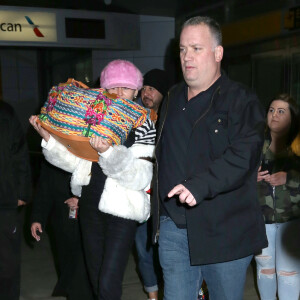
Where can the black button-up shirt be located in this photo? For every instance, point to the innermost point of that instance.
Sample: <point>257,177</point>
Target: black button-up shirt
<point>181,117</point>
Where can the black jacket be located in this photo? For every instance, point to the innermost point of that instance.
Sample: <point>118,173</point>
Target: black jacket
<point>15,181</point>
<point>226,223</point>
<point>52,189</point>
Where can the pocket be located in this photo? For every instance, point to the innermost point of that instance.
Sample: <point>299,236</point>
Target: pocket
<point>218,134</point>
<point>10,224</point>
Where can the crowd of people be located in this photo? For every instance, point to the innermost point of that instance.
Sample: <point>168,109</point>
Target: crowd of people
<point>221,175</point>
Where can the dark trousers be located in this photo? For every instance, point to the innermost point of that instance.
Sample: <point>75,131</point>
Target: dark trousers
<point>73,280</point>
<point>10,241</point>
<point>107,244</point>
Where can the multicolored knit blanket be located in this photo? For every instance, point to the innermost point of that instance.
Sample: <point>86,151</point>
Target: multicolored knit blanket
<point>76,111</point>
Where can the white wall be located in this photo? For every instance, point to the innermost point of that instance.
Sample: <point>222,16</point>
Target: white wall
<point>156,35</point>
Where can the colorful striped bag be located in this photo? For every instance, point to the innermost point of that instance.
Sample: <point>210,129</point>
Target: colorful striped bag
<point>73,113</point>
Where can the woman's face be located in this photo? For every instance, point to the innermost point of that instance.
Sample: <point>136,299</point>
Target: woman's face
<point>279,117</point>
<point>123,92</point>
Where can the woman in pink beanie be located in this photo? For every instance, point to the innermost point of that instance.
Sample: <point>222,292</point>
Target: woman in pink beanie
<point>108,238</point>
<point>123,78</point>
<point>123,171</point>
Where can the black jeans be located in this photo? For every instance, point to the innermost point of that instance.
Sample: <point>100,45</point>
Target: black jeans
<point>10,241</point>
<point>107,242</point>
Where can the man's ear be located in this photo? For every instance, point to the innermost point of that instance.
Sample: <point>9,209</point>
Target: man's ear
<point>219,53</point>
<point>136,92</point>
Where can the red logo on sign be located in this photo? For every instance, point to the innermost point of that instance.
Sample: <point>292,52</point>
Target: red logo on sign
<point>35,27</point>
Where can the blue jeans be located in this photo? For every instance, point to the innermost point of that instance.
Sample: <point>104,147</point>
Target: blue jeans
<point>281,256</point>
<point>147,257</point>
<point>225,281</point>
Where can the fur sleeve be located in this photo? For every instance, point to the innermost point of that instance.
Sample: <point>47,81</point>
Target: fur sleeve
<point>59,156</point>
<point>125,166</point>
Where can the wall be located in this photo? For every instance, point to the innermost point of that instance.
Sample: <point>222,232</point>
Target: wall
<point>24,73</point>
<point>19,72</point>
<point>155,51</point>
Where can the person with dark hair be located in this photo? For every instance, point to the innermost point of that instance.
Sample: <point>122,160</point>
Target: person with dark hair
<point>278,266</point>
<point>15,189</point>
<point>50,207</point>
<point>155,88</point>
<point>121,175</point>
<point>206,214</point>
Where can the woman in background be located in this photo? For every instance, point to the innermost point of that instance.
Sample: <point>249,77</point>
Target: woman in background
<point>278,266</point>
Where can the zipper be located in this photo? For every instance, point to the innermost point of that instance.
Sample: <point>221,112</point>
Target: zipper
<point>156,163</point>
<point>272,187</point>
<point>274,202</point>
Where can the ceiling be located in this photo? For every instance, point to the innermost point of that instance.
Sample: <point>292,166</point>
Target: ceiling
<point>169,8</point>
<point>228,9</point>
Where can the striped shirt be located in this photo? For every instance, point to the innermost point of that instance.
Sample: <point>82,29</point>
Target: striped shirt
<point>146,133</point>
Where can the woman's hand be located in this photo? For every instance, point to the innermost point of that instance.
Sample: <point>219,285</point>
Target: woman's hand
<point>72,202</point>
<point>276,179</point>
<point>21,203</point>
<point>36,227</point>
<point>99,144</point>
<point>37,126</point>
<point>262,175</point>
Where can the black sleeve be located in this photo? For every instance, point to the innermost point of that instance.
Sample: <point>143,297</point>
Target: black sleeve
<point>52,189</point>
<point>43,201</point>
<point>20,160</point>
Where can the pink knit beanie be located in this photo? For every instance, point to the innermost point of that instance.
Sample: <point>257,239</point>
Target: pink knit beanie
<point>121,73</point>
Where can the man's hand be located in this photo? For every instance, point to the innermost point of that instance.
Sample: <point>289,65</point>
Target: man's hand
<point>72,202</point>
<point>277,179</point>
<point>185,196</point>
<point>36,227</point>
<point>99,144</point>
<point>37,126</point>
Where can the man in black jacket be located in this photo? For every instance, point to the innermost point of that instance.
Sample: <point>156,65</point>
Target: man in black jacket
<point>154,89</point>
<point>208,150</point>
<point>14,192</point>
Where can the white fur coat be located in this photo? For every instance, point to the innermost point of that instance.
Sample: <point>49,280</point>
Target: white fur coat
<point>127,177</point>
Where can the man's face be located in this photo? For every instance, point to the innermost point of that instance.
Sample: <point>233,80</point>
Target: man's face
<point>151,97</point>
<point>199,56</point>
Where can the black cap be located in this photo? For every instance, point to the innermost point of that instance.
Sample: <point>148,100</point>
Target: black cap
<point>158,79</point>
